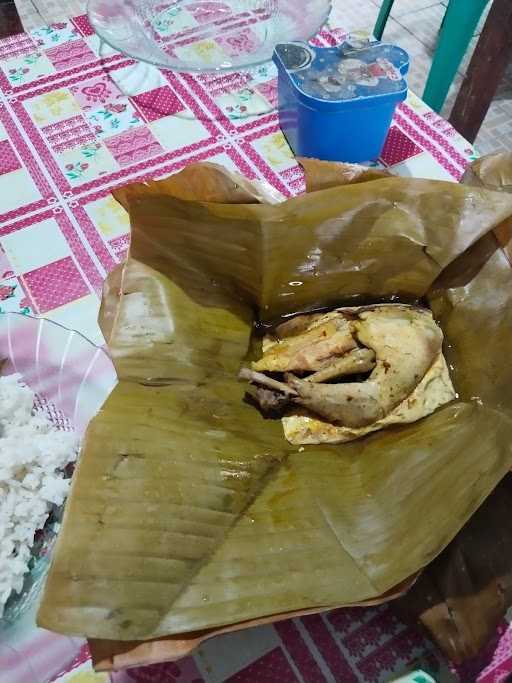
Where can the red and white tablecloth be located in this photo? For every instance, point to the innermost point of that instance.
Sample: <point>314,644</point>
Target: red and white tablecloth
<point>76,120</point>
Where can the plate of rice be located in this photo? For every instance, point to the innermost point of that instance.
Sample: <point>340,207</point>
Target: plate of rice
<point>52,382</point>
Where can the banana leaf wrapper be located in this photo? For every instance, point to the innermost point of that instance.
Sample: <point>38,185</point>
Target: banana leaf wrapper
<point>188,510</point>
<point>115,655</point>
<point>464,594</point>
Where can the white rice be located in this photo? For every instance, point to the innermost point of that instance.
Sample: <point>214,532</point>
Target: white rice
<point>32,453</point>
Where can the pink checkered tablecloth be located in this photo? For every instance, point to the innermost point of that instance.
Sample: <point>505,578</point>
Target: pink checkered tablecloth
<point>76,120</point>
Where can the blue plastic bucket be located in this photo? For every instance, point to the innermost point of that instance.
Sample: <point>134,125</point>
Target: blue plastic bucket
<point>337,103</point>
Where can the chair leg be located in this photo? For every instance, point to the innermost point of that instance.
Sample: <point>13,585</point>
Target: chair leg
<point>492,55</point>
<point>382,19</point>
<point>460,21</point>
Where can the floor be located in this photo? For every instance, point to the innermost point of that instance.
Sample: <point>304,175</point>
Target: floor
<point>414,25</point>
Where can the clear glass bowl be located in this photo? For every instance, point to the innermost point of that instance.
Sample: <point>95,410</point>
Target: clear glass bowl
<point>204,35</point>
<point>71,378</point>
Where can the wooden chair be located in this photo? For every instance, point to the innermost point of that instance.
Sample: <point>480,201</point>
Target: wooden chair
<point>9,19</point>
<point>490,59</point>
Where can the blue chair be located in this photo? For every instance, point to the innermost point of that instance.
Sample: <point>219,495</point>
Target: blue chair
<point>458,28</point>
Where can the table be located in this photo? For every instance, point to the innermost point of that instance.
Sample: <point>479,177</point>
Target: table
<point>73,125</point>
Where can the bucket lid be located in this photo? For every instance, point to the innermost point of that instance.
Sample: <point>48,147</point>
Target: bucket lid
<point>346,74</point>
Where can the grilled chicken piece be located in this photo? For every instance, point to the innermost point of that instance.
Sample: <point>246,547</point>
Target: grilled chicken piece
<point>406,342</point>
<point>353,362</point>
<point>435,389</point>
<point>354,404</point>
<point>265,381</point>
<point>298,325</point>
<point>330,335</point>
<point>271,403</point>
<point>272,396</point>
